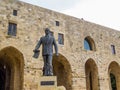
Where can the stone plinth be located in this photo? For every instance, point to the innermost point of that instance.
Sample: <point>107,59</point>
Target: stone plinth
<point>47,83</point>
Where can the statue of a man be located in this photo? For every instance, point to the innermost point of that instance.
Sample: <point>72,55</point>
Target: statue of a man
<point>47,42</point>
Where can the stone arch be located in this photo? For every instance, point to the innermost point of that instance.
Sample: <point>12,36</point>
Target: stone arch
<point>114,69</point>
<point>62,69</point>
<point>90,42</point>
<point>12,67</point>
<point>91,71</point>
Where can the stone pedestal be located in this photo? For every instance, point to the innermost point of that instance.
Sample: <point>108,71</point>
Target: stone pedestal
<point>48,83</point>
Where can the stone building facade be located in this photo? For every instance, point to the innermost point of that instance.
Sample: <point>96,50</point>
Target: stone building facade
<point>89,54</point>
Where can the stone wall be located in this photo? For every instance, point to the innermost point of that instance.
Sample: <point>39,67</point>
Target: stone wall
<point>31,22</point>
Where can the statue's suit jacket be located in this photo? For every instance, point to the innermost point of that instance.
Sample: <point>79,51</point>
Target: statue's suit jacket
<point>47,45</point>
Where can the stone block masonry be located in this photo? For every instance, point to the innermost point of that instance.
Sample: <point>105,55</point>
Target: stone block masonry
<point>76,68</point>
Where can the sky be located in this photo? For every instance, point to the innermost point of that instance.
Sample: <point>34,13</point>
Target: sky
<point>103,12</point>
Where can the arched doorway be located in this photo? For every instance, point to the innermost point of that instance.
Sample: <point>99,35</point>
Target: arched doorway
<point>11,69</point>
<point>62,69</point>
<point>114,75</point>
<point>91,72</point>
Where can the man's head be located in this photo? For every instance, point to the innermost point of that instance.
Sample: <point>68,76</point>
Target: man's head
<point>47,31</point>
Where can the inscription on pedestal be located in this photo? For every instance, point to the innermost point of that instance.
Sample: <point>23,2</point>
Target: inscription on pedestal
<point>47,83</point>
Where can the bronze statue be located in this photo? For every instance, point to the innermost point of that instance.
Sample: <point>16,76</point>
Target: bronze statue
<point>47,42</point>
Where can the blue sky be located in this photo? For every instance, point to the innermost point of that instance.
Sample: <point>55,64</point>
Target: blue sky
<point>103,12</point>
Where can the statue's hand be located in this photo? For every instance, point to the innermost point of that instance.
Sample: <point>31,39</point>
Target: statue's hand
<point>36,53</point>
<point>36,50</point>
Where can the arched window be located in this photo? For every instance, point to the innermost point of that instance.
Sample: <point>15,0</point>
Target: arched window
<point>89,44</point>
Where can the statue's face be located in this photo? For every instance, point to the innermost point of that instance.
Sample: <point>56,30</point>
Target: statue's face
<point>47,31</point>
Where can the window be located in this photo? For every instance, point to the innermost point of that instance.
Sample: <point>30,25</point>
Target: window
<point>60,38</point>
<point>113,49</point>
<point>15,12</point>
<point>57,23</point>
<point>12,29</point>
<point>87,45</point>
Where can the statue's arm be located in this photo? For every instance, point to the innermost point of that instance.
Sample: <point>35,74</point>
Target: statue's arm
<point>55,46</point>
<point>38,44</point>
